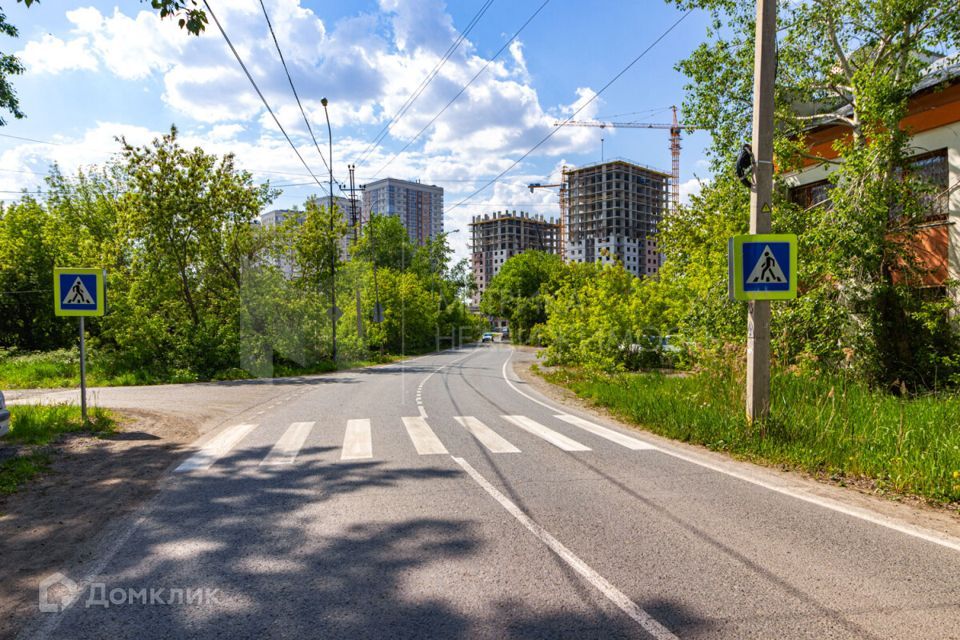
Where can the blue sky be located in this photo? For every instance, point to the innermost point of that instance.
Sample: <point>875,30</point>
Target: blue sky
<point>96,70</point>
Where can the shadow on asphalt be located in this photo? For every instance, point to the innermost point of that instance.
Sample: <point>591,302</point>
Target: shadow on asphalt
<point>283,568</point>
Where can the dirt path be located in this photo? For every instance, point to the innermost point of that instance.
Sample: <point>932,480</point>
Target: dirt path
<point>56,522</point>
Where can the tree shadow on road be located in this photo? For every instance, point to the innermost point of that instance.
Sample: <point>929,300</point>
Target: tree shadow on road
<point>290,555</point>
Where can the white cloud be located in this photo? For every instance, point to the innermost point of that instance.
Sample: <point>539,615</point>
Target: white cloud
<point>367,65</point>
<point>690,188</point>
<point>50,54</point>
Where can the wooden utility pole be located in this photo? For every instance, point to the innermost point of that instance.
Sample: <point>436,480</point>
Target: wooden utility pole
<point>758,314</point>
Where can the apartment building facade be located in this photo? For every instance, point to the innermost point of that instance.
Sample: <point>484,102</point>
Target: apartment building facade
<point>496,237</point>
<point>276,217</point>
<point>419,206</point>
<point>614,210</point>
<point>933,123</point>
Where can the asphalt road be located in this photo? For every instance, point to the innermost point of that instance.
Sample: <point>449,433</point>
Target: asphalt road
<point>444,498</point>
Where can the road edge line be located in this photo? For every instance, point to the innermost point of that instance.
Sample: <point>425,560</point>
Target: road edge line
<point>826,503</point>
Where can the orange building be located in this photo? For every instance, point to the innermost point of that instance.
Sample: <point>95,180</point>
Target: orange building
<point>933,122</point>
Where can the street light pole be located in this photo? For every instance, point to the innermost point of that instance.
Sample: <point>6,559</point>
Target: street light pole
<point>758,314</point>
<point>356,238</point>
<point>333,254</point>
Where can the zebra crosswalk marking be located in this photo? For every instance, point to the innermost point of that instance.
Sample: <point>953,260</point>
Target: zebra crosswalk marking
<point>551,436</point>
<point>487,436</point>
<point>289,444</point>
<point>424,439</point>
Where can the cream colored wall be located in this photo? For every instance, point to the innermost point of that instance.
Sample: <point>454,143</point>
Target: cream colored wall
<point>949,137</point>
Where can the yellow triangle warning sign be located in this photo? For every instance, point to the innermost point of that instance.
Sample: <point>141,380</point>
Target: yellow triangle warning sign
<point>78,294</point>
<point>767,269</point>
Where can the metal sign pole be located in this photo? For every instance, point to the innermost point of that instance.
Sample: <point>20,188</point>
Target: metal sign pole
<point>83,373</point>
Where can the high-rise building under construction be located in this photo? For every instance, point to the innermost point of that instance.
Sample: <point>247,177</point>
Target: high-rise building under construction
<point>613,211</point>
<point>496,237</point>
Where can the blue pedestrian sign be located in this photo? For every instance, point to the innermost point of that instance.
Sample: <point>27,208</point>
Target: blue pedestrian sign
<point>79,292</point>
<point>763,267</point>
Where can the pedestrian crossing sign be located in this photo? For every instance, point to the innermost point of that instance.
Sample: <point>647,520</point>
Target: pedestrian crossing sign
<point>763,267</point>
<point>79,292</point>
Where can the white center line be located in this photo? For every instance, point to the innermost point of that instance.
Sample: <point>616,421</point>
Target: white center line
<point>487,436</point>
<point>357,443</point>
<point>289,444</point>
<point>551,436</point>
<point>613,594</point>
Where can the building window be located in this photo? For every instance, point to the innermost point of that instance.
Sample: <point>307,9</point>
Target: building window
<point>933,171</point>
<point>812,194</point>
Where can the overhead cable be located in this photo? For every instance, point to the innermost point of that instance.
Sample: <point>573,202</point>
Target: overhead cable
<point>260,93</point>
<point>423,84</point>
<point>464,88</point>
<point>596,95</point>
<point>293,88</point>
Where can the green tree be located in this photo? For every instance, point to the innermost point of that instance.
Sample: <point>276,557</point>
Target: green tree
<point>518,291</point>
<point>187,226</point>
<point>855,63</point>
<point>10,65</point>
<point>386,243</point>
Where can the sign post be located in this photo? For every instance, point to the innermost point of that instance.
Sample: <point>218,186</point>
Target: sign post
<point>80,293</point>
<point>758,313</point>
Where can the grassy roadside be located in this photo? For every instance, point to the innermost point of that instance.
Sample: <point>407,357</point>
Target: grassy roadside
<point>33,429</point>
<point>828,427</point>
<point>61,369</point>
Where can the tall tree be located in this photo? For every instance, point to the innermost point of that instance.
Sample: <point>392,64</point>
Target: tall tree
<point>855,64</point>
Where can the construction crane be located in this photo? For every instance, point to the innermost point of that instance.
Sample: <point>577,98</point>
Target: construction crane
<point>562,185</point>
<point>674,129</point>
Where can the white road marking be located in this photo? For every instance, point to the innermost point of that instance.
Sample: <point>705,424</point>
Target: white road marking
<point>609,434</point>
<point>423,437</point>
<point>420,408</point>
<point>289,444</point>
<point>357,443</point>
<point>921,533</point>
<point>617,597</point>
<point>487,436</point>
<point>216,448</point>
<point>551,436</point>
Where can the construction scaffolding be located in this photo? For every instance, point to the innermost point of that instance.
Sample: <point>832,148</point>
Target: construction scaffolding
<point>496,237</point>
<point>613,211</point>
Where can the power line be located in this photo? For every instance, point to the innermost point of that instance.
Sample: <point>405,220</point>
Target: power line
<point>424,83</point>
<point>7,135</point>
<point>260,93</point>
<point>465,87</point>
<point>554,130</point>
<point>293,88</point>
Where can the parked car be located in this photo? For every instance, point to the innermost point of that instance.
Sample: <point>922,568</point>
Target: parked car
<point>487,337</point>
<point>4,416</point>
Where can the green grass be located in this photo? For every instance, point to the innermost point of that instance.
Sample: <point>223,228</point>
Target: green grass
<point>17,471</point>
<point>827,426</point>
<point>43,424</point>
<point>61,369</point>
